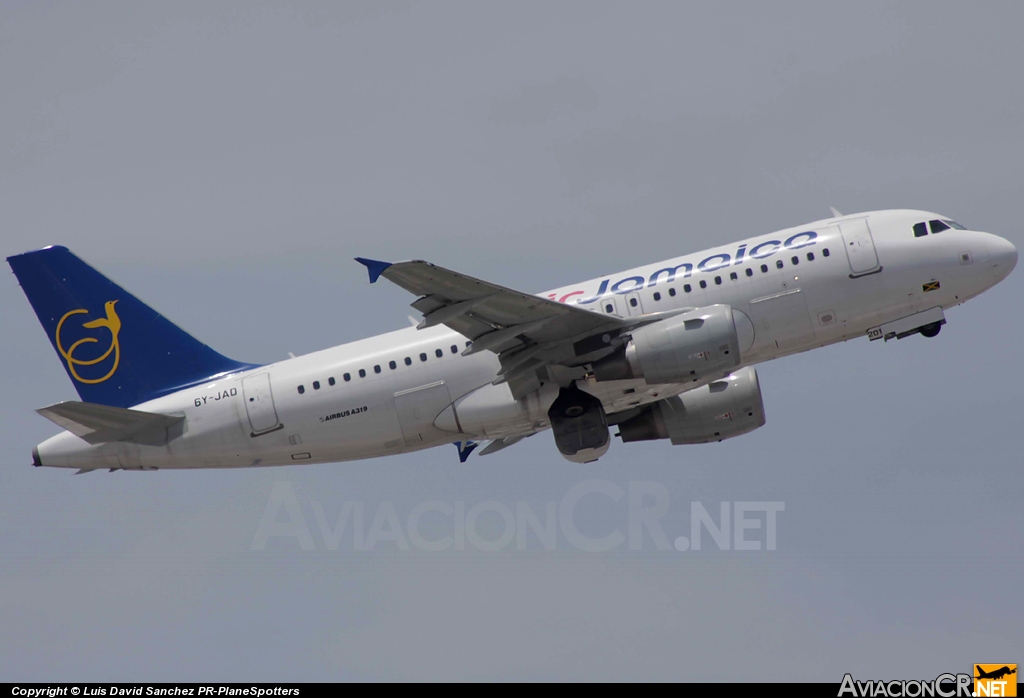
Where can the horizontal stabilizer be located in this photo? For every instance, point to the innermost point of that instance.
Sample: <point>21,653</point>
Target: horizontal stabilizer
<point>101,423</point>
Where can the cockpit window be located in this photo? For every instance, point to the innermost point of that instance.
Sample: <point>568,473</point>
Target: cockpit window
<point>954,225</point>
<point>938,226</point>
<point>920,230</point>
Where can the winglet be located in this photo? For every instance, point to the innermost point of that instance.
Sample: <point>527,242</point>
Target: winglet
<point>375,267</point>
<point>465,448</point>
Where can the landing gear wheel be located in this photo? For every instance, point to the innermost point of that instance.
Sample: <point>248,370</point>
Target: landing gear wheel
<point>931,330</point>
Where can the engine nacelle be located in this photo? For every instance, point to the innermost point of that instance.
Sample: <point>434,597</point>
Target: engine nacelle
<point>720,410</point>
<point>703,343</point>
<point>580,425</point>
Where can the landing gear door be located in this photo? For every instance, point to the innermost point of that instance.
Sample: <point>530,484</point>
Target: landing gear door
<point>860,248</point>
<point>259,404</point>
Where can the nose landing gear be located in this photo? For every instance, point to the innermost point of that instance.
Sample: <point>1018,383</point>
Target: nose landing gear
<point>927,322</point>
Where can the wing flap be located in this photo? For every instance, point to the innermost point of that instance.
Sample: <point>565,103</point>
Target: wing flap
<point>97,424</point>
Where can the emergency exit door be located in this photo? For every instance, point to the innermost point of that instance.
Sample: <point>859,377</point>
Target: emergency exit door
<point>634,305</point>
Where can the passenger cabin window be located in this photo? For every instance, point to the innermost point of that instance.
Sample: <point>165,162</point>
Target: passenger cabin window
<point>703,283</point>
<point>750,272</point>
<point>657,296</point>
<point>408,361</point>
<point>423,357</point>
<point>779,264</point>
<point>316,385</point>
<point>938,226</point>
<point>608,308</point>
<point>810,256</point>
<point>718,280</point>
<point>376,369</point>
<point>362,373</point>
<point>672,291</point>
<point>632,302</point>
<point>455,349</point>
<point>824,252</point>
<point>302,389</point>
<point>330,381</point>
<point>438,353</point>
<point>920,230</point>
<point>392,365</point>
<point>795,260</point>
<point>347,377</point>
<point>733,276</point>
<point>686,287</point>
<point>764,268</point>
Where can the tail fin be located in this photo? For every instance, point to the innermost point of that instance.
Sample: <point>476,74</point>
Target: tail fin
<point>117,350</point>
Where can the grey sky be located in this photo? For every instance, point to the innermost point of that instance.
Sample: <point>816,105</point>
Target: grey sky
<point>226,161</point>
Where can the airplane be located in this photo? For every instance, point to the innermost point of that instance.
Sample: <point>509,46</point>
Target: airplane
<point>995,673</point>
<point>664,351</point>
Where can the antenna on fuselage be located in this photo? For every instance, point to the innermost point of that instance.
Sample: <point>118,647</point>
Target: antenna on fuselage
<point>835,213</point>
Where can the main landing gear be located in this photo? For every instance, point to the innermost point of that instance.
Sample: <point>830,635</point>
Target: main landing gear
<point>931,330</point>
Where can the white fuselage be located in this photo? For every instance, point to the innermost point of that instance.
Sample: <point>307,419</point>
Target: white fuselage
<point>832,282</point>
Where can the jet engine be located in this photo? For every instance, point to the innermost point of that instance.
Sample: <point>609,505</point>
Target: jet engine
<point>703,343</point>
<point>728,407</point>
<point>579,424</point>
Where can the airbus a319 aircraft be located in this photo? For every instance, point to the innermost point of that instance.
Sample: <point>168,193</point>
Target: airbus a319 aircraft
<point>664,351</point>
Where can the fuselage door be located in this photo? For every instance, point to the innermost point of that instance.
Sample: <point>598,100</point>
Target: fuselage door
<point>259,404</point>
<point>860,248</point>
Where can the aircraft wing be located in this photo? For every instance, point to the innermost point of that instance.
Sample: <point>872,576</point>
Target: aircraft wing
<point>526,331</point>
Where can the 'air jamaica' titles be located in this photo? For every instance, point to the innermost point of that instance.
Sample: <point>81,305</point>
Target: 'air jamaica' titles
<point>685,270</point>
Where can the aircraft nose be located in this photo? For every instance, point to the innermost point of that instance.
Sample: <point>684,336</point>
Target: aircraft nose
<point>1002,256</point>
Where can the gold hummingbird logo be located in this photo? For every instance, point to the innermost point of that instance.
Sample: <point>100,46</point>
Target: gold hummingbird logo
<point>112,323</point>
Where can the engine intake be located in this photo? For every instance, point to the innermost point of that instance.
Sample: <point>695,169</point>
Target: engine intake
<point>720,410</point>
